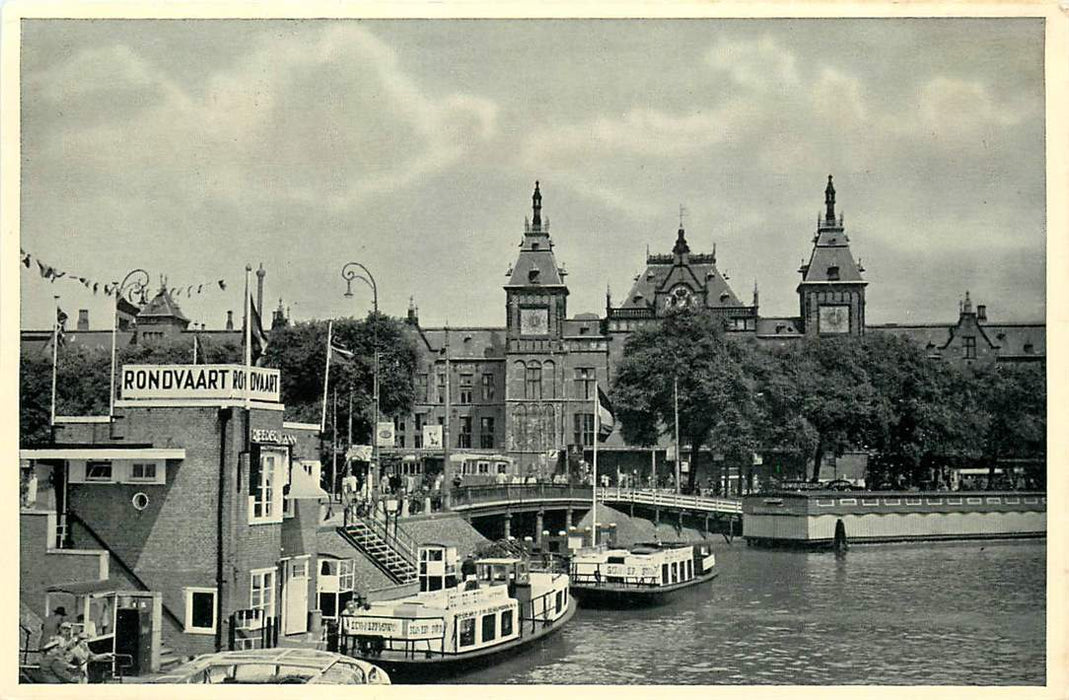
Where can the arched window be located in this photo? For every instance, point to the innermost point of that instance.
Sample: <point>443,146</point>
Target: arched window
<point>518,429</point>
<point>549,427</point>
<point>533,389</point>
<point>516,380</point>
<point>549,377</point>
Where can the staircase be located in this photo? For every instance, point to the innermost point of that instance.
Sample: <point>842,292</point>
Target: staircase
<point>392,551</point>
<point>168,659</point>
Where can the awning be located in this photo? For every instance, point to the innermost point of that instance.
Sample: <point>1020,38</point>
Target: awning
<point>303,488</point>
<point>84,587</point>
<point>104,452</point>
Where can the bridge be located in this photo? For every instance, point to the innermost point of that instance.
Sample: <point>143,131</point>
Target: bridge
<point>506,501</point>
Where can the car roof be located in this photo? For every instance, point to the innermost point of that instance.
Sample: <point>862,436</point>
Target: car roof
<point>287,656</point>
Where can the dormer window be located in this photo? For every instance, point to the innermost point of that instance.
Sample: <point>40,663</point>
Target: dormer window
<point>583,330</point>
<point>534,245</point>
<point>532,275</point>
<point>833,273</point>
<point>724,296</point>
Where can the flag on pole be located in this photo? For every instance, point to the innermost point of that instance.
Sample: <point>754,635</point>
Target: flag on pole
<point>606,419</point>
<point>339,350</point>
<point>257,335</point>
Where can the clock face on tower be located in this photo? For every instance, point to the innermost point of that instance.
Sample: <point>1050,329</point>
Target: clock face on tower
<point>680,297</point>
<point>834,319</point>
<point>534,321</point>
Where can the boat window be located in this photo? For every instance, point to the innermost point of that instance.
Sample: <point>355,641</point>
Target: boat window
<point>254,673</point>
<point>560,601</point>
<point>664,573</point>
<point>675,572</point>
<point>690,568</point>
<point>489,627</point>
<point>467,632</point>
<point>506,623</point>
<point>328,567</point>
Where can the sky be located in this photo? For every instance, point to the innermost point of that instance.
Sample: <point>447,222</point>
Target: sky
<point>191,148</point>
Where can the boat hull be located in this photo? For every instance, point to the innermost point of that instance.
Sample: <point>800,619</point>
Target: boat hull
<point>616,596</point>
<point>433,669</point>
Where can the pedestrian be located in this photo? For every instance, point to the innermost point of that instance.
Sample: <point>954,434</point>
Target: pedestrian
<point>80,655</point>
<point>53,623</point>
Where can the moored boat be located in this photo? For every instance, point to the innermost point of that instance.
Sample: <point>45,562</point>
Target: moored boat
<point>457,622</point>
<point>646,574</point>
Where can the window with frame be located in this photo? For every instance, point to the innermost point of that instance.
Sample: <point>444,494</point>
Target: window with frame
<point>262,594</point>
<point>488,386</point>
<point>533,383</point>
<point>143,471</point>
<point>560,601</point>
<point>486,432</point>
<point>346,575</point>
<point>584,383</point>
<point>464,437</point>
<point>489,624</point>
<point>583,429</point>
<point>399,432</point>
<point>200,610</point>
<point>265,487</point>
<point>467,382</point>
<point>467,632</point>
<point>970,347</point>
<point>421,387</point>
<point>98,471</point>
<point>441,387</point>
<point>506,623</point>
<point>417,434</point>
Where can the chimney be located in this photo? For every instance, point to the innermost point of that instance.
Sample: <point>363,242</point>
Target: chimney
<point>260,290</point>
<point>230,320</point>
<point>83,319</point>
<point>981,313</point>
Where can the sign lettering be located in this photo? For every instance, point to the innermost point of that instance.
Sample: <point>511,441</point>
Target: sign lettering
<point>199,382</point>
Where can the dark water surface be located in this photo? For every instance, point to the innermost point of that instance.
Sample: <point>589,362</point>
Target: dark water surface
<point>946,613</point>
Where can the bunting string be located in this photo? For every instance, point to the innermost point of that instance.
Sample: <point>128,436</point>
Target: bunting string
<point>51,273</point>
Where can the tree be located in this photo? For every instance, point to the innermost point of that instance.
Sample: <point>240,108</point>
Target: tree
<point>1015,399</point>
<point>716,397</point>
<point>299,352</point>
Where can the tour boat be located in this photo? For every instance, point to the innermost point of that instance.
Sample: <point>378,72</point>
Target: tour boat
<point>455,623</point>
<point>646,574</point>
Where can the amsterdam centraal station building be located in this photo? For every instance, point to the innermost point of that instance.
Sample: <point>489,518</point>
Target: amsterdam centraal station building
<point>520,396</point>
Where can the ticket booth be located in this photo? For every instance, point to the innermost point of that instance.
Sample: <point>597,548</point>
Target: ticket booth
<point>124,623</point>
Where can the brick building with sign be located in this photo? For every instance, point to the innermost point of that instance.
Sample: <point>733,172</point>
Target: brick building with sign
<point>195,489</point>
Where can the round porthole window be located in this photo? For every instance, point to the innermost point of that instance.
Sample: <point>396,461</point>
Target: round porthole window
<point>140,500</point>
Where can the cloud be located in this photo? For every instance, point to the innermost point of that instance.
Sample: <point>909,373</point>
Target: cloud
<point>760,65</point>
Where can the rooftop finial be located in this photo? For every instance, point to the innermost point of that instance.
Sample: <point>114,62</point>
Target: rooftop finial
<point>829,201</point>
<point>681,246</point>
<point>967,308</point>
<point>536,202</point>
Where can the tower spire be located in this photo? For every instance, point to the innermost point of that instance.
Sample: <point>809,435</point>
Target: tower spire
<point>536,205</point>
<point>829,201</point>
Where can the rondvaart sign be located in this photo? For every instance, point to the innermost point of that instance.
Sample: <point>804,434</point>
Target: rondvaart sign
<point>199,382</point>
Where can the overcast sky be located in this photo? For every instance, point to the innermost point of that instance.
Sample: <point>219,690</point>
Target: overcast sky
<point>190,148</point>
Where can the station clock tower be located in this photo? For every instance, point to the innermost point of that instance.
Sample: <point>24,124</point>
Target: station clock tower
<point>831,295</point>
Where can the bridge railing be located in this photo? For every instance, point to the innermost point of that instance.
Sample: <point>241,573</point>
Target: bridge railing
<point>474,496</point>
<point>468,496</point>
<point>670,500</point>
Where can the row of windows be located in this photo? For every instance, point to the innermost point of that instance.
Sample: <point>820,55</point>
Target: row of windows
<point>488,625</point>
<point>464,436</point>
<point>201,607</point>
<point>487,388</point>
<point>538,378</point>
<point>678,571</point>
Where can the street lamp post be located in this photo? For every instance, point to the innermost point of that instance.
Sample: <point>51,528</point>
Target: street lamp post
<point>138,279</point>
<point>352,271</point>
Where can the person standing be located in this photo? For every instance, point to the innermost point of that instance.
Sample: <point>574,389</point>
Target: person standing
<point>52,624</point>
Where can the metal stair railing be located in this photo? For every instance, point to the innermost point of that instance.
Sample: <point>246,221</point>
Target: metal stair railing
<point>386,550</point>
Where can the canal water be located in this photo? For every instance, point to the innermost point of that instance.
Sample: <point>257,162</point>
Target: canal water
<point>944,613</point>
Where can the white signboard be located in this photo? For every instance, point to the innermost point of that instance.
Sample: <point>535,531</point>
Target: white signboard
<point>199,382</point>
<point>684,467</point>
<point>385,434</point>
<point>432,437</point>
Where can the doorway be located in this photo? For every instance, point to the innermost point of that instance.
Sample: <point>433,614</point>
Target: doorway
<point>295,595</point>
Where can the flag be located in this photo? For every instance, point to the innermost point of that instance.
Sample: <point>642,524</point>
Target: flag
<point>606,419</point>
<point>61,321</point>
<point>26,260</point>
<point>222,285</point>
<point>348,354</point>
<point>259,338</point>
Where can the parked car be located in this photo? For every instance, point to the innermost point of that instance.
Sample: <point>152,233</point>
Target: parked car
<point>277,666</point>
<point>839,485</point>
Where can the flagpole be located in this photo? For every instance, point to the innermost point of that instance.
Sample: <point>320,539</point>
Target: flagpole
<point>55,358</point>
<point>248,336</point>
<point>594,493</point>
<point>326,378</point>
<point>675,390</point>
